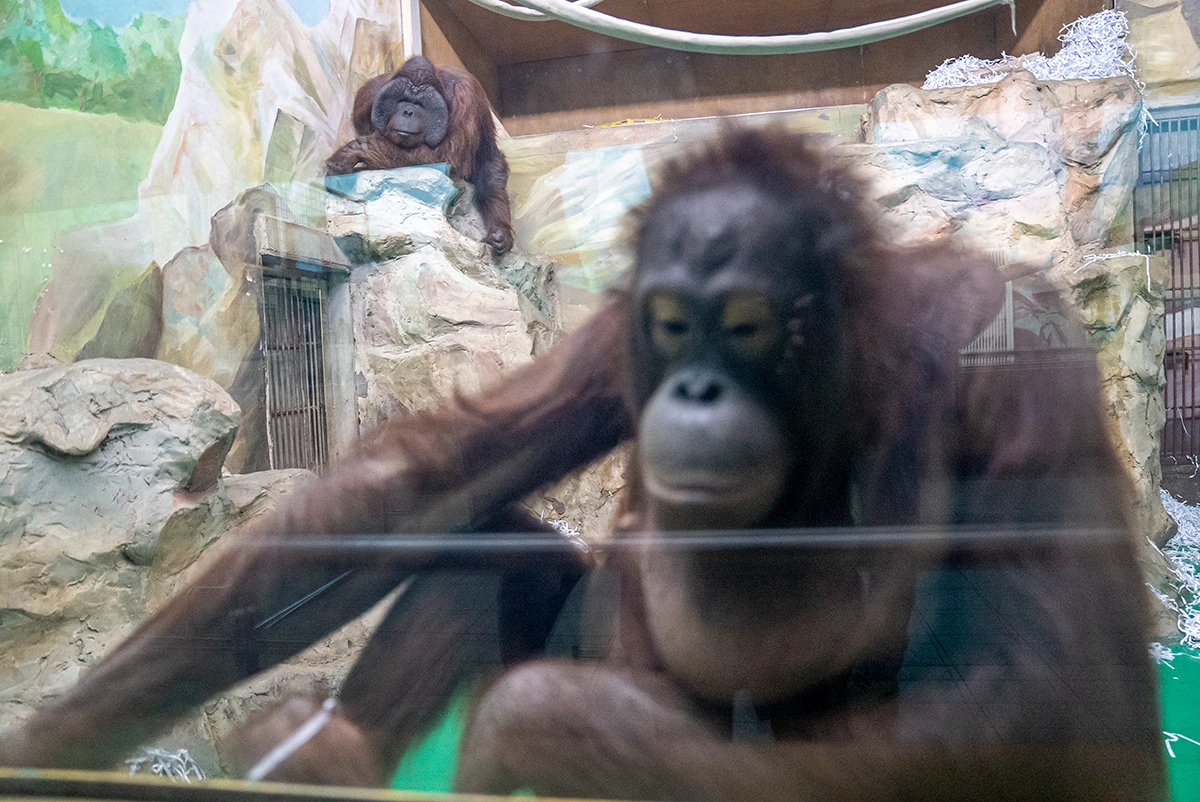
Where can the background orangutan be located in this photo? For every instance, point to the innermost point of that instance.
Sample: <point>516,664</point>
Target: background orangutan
<point>783,369</point>
<point>422,114</point>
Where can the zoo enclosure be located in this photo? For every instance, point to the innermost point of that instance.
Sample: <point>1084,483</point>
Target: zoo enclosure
<point>1165,205</point>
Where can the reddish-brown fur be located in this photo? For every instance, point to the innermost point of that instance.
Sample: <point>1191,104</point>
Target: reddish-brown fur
<point>455,469</point>
<point>628,730</point>
<point>1070,715</point>
<point>469,146</point>
<point>357,756</point>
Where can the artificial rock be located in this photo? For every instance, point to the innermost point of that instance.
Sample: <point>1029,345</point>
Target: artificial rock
<point>1041,175</point>
<point>100,462</point>
<point>433,311</point>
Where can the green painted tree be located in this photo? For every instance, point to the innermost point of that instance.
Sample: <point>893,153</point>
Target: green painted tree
<point>50,62</point>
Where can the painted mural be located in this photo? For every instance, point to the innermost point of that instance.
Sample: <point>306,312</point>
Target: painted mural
<point>82,104</point>
<point>126,124</point>
<point>1166,36</point>
<point>47,60</point>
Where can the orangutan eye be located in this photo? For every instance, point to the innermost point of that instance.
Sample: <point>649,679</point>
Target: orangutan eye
<point>748,324</point>
<point>669,326</point>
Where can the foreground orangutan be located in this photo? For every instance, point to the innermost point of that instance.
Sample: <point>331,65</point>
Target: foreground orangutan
<point>937,597</point>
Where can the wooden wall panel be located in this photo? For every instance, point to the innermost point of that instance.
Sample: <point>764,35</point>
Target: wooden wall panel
<point>544,77</point>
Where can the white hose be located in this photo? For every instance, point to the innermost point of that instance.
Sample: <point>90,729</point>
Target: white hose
<point>579,15</point>
<point>290,745</point>
<point>528,14</point>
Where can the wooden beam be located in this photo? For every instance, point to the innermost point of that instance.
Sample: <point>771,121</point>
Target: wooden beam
<point>410,27</point>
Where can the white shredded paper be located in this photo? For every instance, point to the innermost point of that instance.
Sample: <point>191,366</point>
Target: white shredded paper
<point>564,528</point>
<point>1162,655</point>
<point>1184,551</point>
<point>1092,47</point>
<point>1104,257</point>
<point>1174,738</point>
<point>177,765</point>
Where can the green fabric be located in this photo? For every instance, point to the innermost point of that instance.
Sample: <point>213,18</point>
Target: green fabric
<point>1181,716</point>
<point>431,763</point>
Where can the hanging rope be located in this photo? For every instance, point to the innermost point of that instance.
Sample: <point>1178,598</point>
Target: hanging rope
<point>581,16</point>
<point>527,14</point>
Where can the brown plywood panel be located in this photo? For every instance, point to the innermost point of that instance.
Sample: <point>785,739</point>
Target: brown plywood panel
<point>1038,24</point>
<point>448,43</point>
<point>652,81</point>
<point>596,79</point>
<point>511,41</point>
<point>765,17</point>
<point>508,41</point>
<point>567,121</point>
<point>908,58</point>
<point>649,74</point>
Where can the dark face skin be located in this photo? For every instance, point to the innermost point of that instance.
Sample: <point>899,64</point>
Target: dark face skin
<point>736,353</point>
<point>410,113</point>
<point>407,124</point>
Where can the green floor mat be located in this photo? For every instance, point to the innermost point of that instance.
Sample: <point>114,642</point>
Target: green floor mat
<point>430,764</point>
<point>1181,722</point>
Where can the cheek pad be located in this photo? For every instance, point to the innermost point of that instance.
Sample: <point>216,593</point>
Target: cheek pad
<point>437,115</point>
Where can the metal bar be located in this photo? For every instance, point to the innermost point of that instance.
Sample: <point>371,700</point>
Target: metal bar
<point>306,355</point>
<point>276,374</point>
<point>276,617</point>
<point>1168,155</point>
<point>264,354</point>
<point>1178,268</point>
<point>1180,279</point>
<point>285,337</point>
<point>1156,177</point>
<point>1168,228</point>
<point>310,440</point>
<point>319,397</point>
<point>310,372</point>
<point>1179,262</point>
<point>1175,158</point>
<point>1009,334</point>
<point>279,369</point>
<point>470,547</point>
<point>1147,174</point>
<point>297,331</point>
<point>280,378</point>
<point>1189,178</point>
<point>1148,222</point>
<point>318,384</point>
<point>1192,178</point>
<point>265,332</point>
<point>297,373</point>
<point>61,784</point>
<point>271,334</point>
<point>313,380</point>
<point>324,416</point>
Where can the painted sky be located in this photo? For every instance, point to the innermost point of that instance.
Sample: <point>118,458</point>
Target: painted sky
<point>118,13</point>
